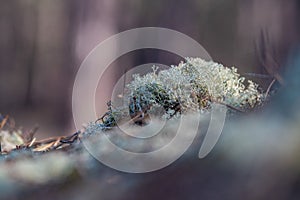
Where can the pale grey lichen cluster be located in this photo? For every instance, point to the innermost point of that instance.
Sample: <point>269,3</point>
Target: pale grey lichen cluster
<point>193,85</point>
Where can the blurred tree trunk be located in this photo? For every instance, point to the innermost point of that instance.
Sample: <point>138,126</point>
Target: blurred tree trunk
<point>96,22</point>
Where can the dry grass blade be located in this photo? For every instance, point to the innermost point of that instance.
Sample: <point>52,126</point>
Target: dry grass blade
<point>29,136</point>
<point>44,147</point>
<point>3,121</point>
<point>12,138</point>
<point>267,54</point>
<point>53,143</point>
<point>270,86</point>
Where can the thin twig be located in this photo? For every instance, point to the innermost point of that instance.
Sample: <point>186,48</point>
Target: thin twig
<point>229,106</point>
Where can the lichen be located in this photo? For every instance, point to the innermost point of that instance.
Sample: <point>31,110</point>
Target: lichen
<point>193,85</point>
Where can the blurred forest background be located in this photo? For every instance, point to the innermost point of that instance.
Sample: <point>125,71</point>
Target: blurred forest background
<point>43,42</point>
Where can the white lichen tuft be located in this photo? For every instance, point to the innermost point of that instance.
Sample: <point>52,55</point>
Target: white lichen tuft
<point>193,85</point>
